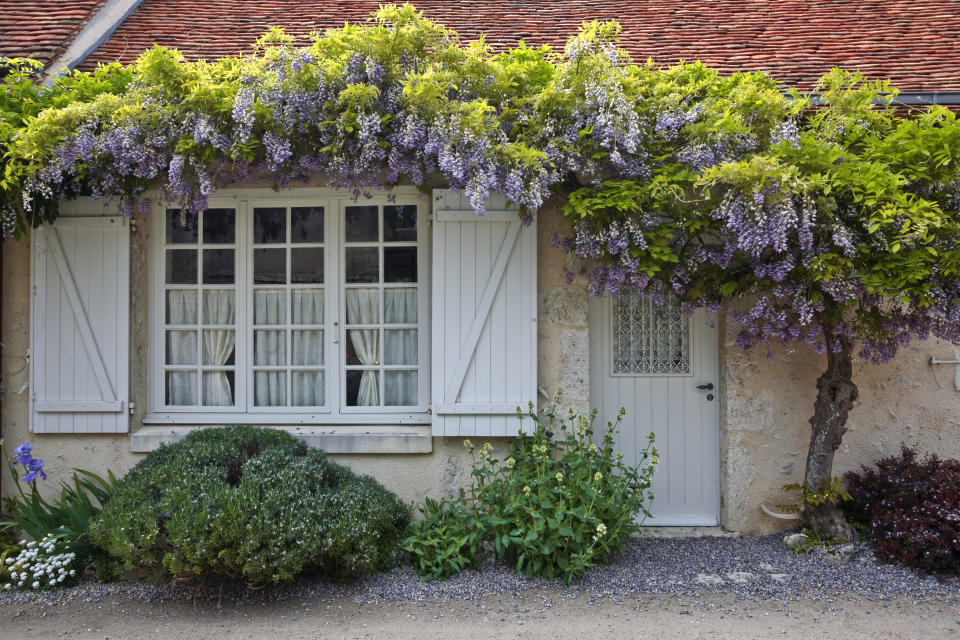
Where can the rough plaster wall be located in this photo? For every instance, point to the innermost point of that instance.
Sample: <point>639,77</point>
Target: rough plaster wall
<point>563,337</point>
<point>563,363</point>
<point>769,402</point>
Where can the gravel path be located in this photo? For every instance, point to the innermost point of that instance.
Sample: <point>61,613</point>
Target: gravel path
<point>739,567</point>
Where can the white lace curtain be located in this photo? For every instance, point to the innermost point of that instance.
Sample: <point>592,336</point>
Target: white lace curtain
<point>270,348</point>
<point>399,348</point>
<point>217,347</point>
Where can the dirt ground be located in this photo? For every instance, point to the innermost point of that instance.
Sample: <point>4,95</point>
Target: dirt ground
<point>533,614</point>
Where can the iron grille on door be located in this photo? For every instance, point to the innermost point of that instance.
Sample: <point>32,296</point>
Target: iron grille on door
<point>649,338</point>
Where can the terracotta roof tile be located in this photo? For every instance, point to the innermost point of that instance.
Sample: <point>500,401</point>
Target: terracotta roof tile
<point>42,29</point>
<point>912,42</point>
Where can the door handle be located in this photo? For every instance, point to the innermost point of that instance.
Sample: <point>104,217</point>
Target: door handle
<point>705,387</point>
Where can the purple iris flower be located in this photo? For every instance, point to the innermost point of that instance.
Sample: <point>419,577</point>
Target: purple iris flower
<point>34,468</point>
<point>22,455</point>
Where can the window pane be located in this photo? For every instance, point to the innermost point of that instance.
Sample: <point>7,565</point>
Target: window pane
<point>400,223</point>
<point>181,227</point>
<point>308,389</point>
<point>217,388</point>
<point>363,264</point>
<point>400,388</point>
<point>400,306</point>
<point>363,389</point>
<point>218,347</point>
<point>307,347</point>
<point>270,347</point>
<point>269,225</point>
<point>218,307</point>
<point>181,306</point>
<point>363,306</point>
<point>306,265</point>
<point>219,226</point>
<point>270,388</point>
<point>306,224</point>
<point>363,347</point>
<point>400,346</point>
<point>181,388</point>
<point>269,306</point>
<point>218,266</point>
<point>269,266</point>
<point>308,306</point>
<point>361,224</point>
<point>400,264</point>
<point>182,347</point>
<point>181,266</point>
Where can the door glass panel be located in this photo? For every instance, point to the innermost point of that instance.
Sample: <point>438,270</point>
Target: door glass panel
<point>400,306</point>
<point>218,266</point>
<point>269,306</point>
<point>649,338</point>
<point>269,266</point>
<point>218,347</point>
<point>270,388</point>
<point>400,264</point>
<point>400,346</point>
<point>270,347</point>
<point>182,347</point>
<point>307,389</point>
<point>400,223</point>
<point>399,388</point>
<point>363,264</point>
<point>181,227</point>
<point>219,226</point>
<point>307,347</point>
<point>181,306</point>
<point>181,266</point>
<point>217,388</point>
<point>363,388</point>
<point>306,224</point>
<point>306,265</point>
<point>308,306</point>
<point>269,225</point>
<point>181,388</point>
<point>361,224</point>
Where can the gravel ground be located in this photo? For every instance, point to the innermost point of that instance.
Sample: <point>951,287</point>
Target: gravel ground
<point>744,568</point>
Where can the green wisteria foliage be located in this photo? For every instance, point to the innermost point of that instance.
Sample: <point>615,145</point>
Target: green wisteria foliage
<point>826,223</point>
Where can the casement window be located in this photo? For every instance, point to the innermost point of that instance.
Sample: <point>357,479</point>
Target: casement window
<point>291,310</point>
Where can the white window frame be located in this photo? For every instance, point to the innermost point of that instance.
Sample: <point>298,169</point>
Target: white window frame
<point>244,200</point>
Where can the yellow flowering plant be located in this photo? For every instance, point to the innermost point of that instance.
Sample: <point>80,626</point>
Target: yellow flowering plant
<point>561,501</point>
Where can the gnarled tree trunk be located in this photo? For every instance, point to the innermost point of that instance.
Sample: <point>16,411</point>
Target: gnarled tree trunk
<point>836,394</point>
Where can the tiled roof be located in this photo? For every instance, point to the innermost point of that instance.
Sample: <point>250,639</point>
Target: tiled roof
<point>916,43</point>
<point>42,29</point>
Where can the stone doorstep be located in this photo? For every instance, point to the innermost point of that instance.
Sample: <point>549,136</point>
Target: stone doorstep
<point>685,532</point>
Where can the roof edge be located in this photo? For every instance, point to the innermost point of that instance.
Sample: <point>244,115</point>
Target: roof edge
<point>98,30</point>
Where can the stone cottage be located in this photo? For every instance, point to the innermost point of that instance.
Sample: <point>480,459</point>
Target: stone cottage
<point>386,330</point>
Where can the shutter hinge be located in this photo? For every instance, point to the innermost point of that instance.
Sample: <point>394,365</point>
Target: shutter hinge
<point>132,406</point>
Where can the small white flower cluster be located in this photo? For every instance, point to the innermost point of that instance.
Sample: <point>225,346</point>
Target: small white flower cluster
<point>40,565</point>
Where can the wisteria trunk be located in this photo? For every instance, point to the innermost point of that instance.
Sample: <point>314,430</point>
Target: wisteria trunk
<point>836,394</point>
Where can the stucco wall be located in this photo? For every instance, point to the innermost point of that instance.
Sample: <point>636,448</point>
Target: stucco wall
<point>768,402</point>
<point>764,403</point>
<point>562,352</point>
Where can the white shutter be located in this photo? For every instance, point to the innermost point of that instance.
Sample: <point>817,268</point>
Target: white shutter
<point>80,326</point>
<point>484,320</point>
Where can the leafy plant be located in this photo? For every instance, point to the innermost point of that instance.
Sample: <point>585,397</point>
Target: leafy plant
<point>831,492</point>
<point>558,504</point>
<point>65,520</point>
<point>910,507</point>
<point>256,504</point>
<point>447,540</point>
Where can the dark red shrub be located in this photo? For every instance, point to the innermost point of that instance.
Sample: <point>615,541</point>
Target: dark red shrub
<point>911,507</point>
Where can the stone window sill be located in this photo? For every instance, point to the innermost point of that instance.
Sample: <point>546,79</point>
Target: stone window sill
<point>364,439</point>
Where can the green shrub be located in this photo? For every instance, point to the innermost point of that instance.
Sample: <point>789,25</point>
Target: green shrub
<point>562,501</point>
<point>62,525</point>
<point>248,503</point>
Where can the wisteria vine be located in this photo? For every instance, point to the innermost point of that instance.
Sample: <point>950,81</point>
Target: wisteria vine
<point>810,225</point>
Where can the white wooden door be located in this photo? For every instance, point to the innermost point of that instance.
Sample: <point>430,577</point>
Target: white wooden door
<point>661,366</point>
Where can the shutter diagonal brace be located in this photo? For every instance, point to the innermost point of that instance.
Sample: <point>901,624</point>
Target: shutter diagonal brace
<point>80,314</point>
<point>483,310</point>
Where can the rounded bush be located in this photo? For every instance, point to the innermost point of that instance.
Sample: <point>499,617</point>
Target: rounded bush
<point>911,508</point>
<point>249,503</point>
